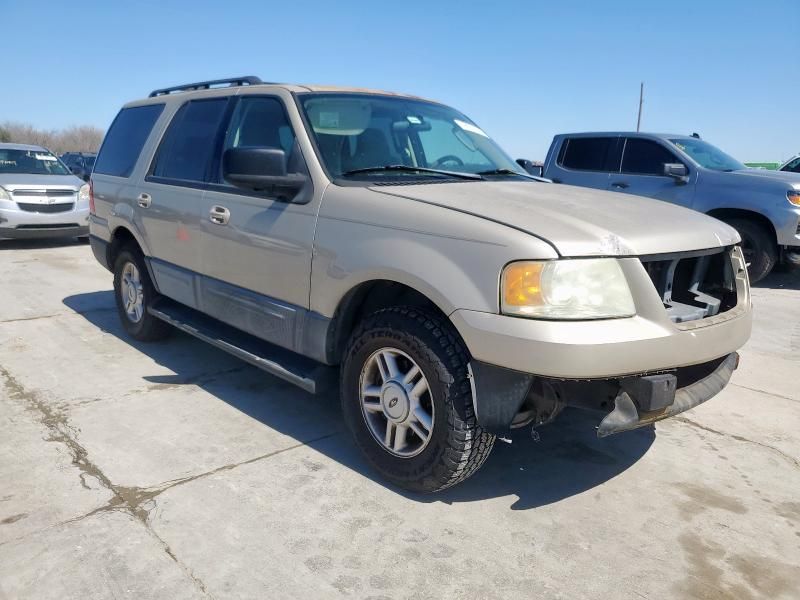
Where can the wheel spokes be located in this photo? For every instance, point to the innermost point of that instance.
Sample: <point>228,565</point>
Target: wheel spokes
<point>371,391</point>
<point>400,437</point>
<point>412,373</point>
<point>419,388</point>
<point>387,440</point>
<point>394,402</point>
<point>390,369</point>
<point>424,419</point>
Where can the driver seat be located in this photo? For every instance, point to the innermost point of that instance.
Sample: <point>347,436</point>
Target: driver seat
<point>372,150</point>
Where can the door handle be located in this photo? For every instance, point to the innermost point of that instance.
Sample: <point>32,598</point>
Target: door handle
<point>220,215</point>
<point>144,200</point>
<point>620,185</point>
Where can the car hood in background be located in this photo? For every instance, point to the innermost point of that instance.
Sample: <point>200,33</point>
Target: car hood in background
<point>13,181</point>
<point>579,221</point>
<point>786,176</point>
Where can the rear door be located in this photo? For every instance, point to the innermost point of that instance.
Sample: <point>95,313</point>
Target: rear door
<point>170,202</point>
<point>642,173</point>
<point>585,161</point>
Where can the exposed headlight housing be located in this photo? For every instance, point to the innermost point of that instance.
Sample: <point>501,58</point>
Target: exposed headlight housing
<point>569,289</point>
<point>4,195</point>
<point>83,193</point>
<point>794,197</point>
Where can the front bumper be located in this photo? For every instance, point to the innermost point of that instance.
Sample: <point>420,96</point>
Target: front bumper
<point>21,224</point>
<point>646,342</point>
<point>598,349</point>
<point>643,367</point>
<point>505,399</point>
<point>631,412</point>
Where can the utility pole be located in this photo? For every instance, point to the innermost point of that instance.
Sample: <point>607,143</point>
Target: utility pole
<point>641,98</point>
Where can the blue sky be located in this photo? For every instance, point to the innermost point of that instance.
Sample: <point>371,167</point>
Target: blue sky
<point>522,70</point>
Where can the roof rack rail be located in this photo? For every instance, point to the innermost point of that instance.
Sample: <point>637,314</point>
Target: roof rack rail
<point>205,85</point>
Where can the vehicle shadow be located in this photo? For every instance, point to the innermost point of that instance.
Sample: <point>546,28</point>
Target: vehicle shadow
<point>36,244</point>
<point>784,279</point>
<point>569,458</point>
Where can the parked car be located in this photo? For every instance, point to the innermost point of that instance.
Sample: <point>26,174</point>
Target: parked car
<point>79,163</point>
<point>39,197</point>
<point>318,231</point>
<point>763,206</point>
<point>531,167</point>
<point>792,165</point>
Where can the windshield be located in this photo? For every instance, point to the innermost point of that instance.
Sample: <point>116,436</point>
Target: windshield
<point>706,155</point>
<point>793,166</point>
<point>34,162</point>
<point>89,161</point>
<point>359,134</point>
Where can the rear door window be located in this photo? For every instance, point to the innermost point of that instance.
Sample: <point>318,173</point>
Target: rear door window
<point>586,153</point>
<point>188,146</point>
<point>645,157</point>
<point>125,139</point>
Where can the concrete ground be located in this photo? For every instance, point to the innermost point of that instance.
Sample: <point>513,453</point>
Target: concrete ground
<point>172,470</point>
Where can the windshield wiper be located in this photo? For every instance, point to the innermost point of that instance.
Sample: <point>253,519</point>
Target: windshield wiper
<point>516,173</point>
<point>410,169</point>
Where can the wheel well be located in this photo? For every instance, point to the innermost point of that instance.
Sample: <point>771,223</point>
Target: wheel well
<point>725,214</point>
<point>119,239</point>
<point>366,299</point>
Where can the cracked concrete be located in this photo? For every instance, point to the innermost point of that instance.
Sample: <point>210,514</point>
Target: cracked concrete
<point>172,470</point>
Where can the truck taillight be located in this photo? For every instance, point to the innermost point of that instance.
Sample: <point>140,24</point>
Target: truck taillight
<point>91,198</point>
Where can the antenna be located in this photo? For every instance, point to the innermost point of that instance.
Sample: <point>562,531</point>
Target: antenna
<point>641,99</point>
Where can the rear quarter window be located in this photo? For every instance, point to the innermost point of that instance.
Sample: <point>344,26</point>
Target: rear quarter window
<point>125,139</point>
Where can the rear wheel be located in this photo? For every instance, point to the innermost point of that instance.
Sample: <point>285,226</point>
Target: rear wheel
<point>407,400</point>
<point>759,250</point>
<point>134,293</point>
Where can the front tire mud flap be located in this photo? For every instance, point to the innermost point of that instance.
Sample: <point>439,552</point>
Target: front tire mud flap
<point>626,415</point>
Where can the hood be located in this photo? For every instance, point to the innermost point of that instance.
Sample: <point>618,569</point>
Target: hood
<point>25,181</point>
<point>785,176</point>
<point>579,221</point>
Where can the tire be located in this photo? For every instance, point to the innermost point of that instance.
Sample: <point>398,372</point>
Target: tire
<point>146,328</point>
<point>456,446</point>
<point>760,251</point>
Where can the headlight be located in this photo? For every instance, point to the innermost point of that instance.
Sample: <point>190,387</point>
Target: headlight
<point>794,197</point>
<point>4,195</point>
<point>590,288</point>
<point>83,193</point>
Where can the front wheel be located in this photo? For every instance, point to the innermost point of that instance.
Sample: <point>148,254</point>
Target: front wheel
<point>759,250</point>
<point>134,293</point>
<point>407,400</point>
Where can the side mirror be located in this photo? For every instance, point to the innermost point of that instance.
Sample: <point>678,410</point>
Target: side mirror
<point>261,170</point>
<point>677,171</point>
<point>530,167</point>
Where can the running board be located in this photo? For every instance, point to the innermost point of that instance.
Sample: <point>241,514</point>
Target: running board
<point>303,372</point>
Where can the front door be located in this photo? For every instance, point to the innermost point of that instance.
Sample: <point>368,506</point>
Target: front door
<point>642,173</point>
<point>256,250</point>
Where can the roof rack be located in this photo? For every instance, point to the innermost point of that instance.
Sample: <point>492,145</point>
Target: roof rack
<point>205,85</point>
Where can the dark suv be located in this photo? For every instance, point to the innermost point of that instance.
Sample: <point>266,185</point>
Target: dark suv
<point>80,163</point>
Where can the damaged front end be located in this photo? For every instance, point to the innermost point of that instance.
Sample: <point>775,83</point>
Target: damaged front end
<point>506,399</point>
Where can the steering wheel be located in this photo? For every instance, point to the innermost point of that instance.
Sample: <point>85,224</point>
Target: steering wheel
<point>448,158</point>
